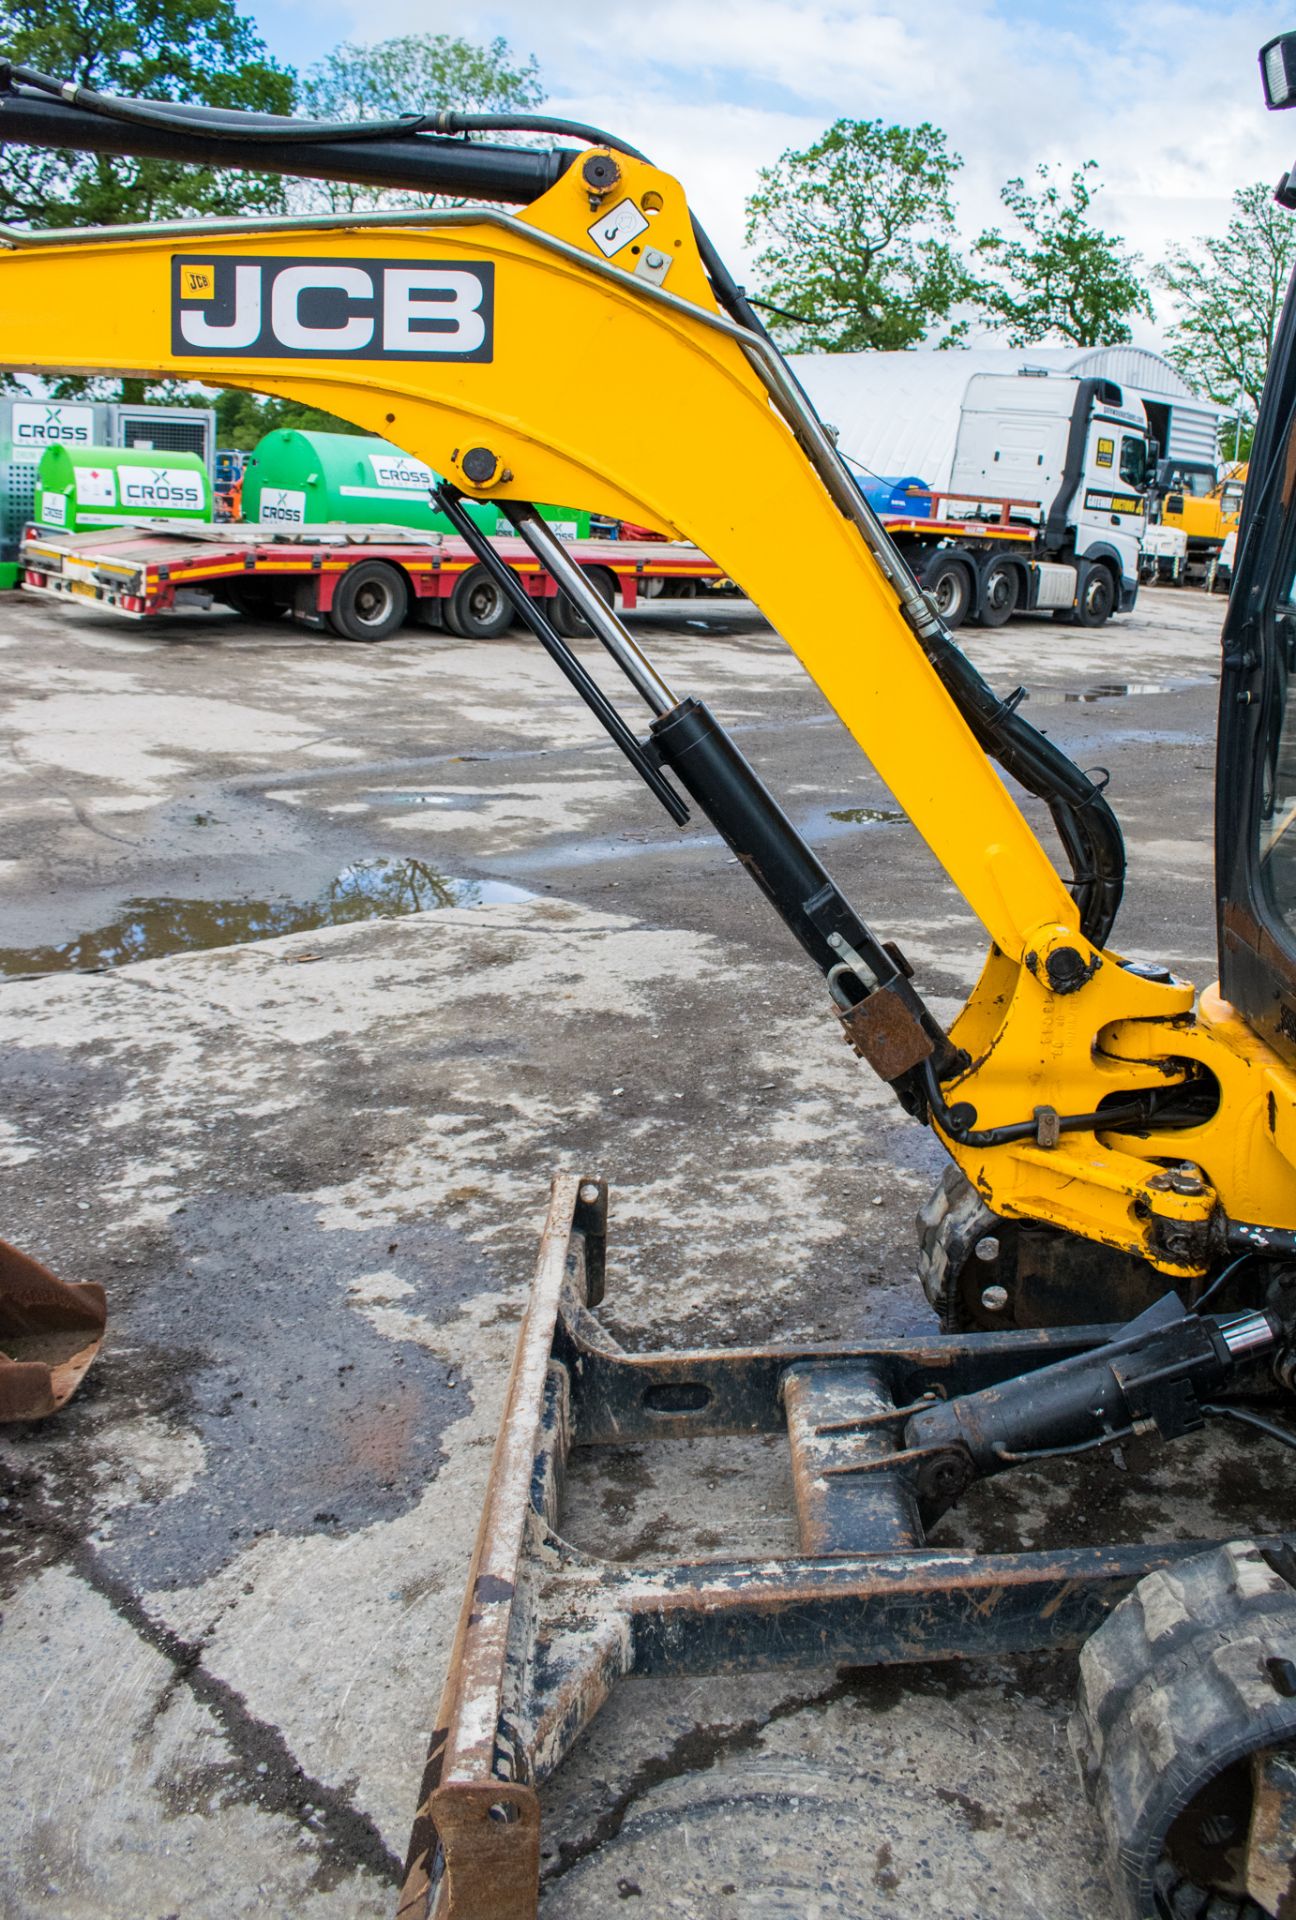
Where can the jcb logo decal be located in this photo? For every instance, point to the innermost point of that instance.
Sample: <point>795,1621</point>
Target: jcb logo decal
<point>294,309</point>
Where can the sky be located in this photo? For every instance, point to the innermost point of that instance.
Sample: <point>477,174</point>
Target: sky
<point>1164,94</point>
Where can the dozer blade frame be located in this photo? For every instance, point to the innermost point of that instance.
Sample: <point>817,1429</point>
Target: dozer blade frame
<point>546,1631</point>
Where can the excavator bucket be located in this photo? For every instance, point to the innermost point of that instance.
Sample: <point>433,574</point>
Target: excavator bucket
<point>49,1333</point>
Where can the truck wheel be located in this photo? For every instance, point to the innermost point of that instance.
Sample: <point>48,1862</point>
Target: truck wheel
<point>1097,598</point>
<point>569,623</point>
<point>949,586</point>
<point>1184,1732</point>
<point>1000,587</point>
<point>370,602</point>
<point>478,608</point>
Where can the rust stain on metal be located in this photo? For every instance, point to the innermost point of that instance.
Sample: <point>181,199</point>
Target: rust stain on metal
<point>50,1331</point>
<point>1062,1595</point>
<point>475,1849</point>
<point>884,1032</point>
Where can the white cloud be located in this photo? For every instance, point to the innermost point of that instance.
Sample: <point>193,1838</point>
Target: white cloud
<point>1165,95</point>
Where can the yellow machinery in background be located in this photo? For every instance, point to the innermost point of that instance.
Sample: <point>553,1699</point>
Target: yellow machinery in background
<point>1202,504</point>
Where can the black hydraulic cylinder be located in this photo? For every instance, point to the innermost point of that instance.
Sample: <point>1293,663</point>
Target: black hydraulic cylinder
<point>1157,1376</point>
<point>694,745</point>
<point>415,162</point>
<point>863,973</point>
<point>532,614</point>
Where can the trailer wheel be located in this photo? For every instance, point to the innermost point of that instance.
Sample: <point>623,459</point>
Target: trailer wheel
<point>478,609</point>
<point>370,603</point>
<point>1000,591</point>
<point>948,584</point>
<point>1096,602</point>
<point>568,622</point>
<point>1185,1731</point>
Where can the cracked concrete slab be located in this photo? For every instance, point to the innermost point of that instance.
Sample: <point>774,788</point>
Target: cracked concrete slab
<point>311,1170</point>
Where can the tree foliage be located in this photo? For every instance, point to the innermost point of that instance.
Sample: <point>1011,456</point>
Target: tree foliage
<point>197,51</point>
<point>1228,292</point>
<point>855,237</point>
<point>414,73</point>
<point>1061,276</point>
<point>244,418</point>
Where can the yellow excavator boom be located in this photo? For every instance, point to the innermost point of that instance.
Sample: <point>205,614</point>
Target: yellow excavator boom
<point>575,351</point>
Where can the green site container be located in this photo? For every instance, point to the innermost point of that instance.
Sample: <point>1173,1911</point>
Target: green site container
<point>313,479</point>
<point>79,488</point>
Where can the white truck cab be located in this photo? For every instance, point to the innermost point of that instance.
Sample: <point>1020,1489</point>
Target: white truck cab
<point>1070,454</point>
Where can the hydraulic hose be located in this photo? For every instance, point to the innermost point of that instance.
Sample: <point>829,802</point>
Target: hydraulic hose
<point>1088,829</point>
<point>219,123</point>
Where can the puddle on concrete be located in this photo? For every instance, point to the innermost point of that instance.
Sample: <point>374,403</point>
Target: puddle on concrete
<point>858,816</point>
<point>1114,690</point>
<point>377,889</point>
<point>411,797</point>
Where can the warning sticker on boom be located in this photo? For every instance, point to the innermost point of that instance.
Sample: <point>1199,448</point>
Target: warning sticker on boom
<point>614,230</point>
<point>315,309</point>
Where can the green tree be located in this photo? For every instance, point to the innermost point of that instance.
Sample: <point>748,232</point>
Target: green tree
<point>1228,291</point>
<point>200,51</point>
<point>244,418</point>
<point>414,73</point>
<point>196,51</point>
<point>855,237</point>
<point>1066,278</point>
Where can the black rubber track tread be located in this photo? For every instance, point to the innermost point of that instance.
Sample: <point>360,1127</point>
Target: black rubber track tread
<point>950,1222</point>
<point>1173,1686</point>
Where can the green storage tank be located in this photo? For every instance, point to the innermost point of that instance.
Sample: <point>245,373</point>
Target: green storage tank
<point>82,487</point>
<point>296,479</point>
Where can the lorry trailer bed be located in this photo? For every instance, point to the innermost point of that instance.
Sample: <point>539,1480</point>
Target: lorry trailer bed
<point>361,581</point>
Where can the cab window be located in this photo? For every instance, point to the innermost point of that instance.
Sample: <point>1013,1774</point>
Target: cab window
<point>1199,483</point>
<point>1133,461</point>
<point>1276,824</point>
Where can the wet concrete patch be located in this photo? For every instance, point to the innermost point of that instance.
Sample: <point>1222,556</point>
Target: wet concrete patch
<point>381,888</point>
<point>866,816</point>
<point>270,1358</point>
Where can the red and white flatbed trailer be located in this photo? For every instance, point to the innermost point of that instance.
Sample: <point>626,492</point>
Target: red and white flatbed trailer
<point>363,583</point>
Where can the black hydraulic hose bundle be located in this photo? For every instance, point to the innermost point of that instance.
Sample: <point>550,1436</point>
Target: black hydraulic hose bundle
<point>1087,827</point>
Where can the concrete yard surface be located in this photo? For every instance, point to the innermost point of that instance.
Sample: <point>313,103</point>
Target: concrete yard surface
<point>319,961</point>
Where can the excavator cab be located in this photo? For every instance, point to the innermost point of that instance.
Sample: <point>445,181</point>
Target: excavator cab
<point>1256,764</point>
